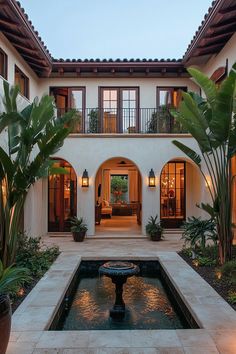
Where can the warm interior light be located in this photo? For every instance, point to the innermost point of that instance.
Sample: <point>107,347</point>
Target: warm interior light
<point>152,178</point>
<point>85,179</point>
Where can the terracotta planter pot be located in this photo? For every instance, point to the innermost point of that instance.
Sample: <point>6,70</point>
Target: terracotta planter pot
<point>156,236</point>
<point>5,322</point>
<point>79,236</point>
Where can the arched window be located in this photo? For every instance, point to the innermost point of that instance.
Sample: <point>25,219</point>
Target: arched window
<point>62,198</point>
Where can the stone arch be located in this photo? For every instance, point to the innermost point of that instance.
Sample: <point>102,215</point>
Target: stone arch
<point>118,165</point>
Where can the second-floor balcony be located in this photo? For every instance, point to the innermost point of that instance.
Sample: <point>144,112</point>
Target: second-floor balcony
<point>126,121</point>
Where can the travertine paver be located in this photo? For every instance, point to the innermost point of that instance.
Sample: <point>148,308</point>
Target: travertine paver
<point>33,317</point>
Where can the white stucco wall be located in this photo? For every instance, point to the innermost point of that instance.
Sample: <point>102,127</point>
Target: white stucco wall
<point>15,59</point>
<point>147,87</point>
<point>90,153</point>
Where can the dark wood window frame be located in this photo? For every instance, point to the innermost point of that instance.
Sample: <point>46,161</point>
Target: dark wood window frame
<point>63,225</point>
<point>75,88</point>
<point>26,79</point>
<point>171,88</point>
<point>5,64</point>
<point>185,195</point>
<point>119,101</point>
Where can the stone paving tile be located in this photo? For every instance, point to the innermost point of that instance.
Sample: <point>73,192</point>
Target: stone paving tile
<point>169,351</point>
<point>127,351</point>
<point>195,338</point>
<point>215,317</point>
<point>48,351</point>
<point>106,339</point>
<point>152,338</point>
<point>35,319</point>
<point>225,340</point>
<point>20,348</point>
<point>81,351</point>
<point>29,337</point>
<point>14,336</point>
<point>66,339</point>
<point>201,350</point>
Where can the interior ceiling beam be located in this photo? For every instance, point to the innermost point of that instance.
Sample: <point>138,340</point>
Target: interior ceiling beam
<point>228,10</point>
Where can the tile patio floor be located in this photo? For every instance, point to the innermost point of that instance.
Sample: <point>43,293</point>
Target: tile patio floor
<point>31,320</point>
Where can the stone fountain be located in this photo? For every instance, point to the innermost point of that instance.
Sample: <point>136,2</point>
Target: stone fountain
<point>118,272</point>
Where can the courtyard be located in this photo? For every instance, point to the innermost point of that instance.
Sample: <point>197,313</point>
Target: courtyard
<point>216,319</point>
<point>118,177</point>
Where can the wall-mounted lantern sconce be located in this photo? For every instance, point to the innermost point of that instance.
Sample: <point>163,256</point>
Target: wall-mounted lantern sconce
<point>151,179</point>
<point>85,179</point>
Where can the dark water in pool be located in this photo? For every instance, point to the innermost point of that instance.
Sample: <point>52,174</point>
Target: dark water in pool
<point>147,304</point>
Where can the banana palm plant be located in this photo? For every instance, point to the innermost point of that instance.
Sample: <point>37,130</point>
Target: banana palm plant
<point>212,123</point>
<point>33,135</point>
<point>11,278</point>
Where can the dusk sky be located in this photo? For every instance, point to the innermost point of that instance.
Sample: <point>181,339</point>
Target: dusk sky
<point>116,28</point>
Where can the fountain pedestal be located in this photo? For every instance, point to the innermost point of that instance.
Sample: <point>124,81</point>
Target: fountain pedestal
<point>118,272</point>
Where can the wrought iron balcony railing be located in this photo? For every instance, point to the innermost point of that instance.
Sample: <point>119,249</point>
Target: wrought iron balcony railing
<point>126,121</point>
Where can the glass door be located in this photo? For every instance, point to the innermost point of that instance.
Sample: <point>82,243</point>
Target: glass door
<point>70,98</point>
<point>119,110</point>
<point>129,111</point>
<point>61,198</point>
<point>167,98</point>
<point>110,110</point>
<point>76,101</point>
<point>173,193</point>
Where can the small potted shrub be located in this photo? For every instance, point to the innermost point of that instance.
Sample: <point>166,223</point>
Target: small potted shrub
<point>78,229</point>
<point>154,229</point>
<point>11,279</point>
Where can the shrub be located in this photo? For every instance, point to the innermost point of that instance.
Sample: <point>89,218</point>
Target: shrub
<point>210,251</point>
<point>34,255</point>
<point>196,232</point>
<point>153,226</point>
<point>232,297</point>
<point>206,261</point>
<point>229,270</point>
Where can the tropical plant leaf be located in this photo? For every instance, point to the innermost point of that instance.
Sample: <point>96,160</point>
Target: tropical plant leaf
<point>207,208</point>
<point>222,113</point>
<point>189,152</point>
<point>205,83</point>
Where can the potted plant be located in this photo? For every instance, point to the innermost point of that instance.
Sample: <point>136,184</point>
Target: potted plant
<point>154,229</point>
<point>11,279</point>
<point>78,229</point>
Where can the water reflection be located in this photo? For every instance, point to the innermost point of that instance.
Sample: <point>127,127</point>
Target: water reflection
<point>145,298</point>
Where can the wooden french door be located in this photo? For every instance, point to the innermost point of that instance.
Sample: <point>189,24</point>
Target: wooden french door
<point>173,194</point>
<point>119,109</point>
<point>67,98</point>
<point>62,198</point>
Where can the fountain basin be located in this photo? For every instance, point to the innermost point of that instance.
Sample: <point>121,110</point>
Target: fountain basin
<point>152,302</point>
<point>118,272</point>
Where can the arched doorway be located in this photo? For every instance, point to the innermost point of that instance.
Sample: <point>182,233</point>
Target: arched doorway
<point>118,198</point>
<point>173,194</point>
<point>62,197</point>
